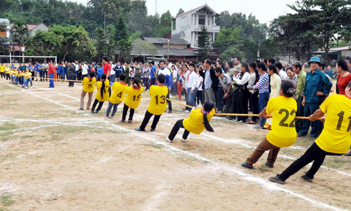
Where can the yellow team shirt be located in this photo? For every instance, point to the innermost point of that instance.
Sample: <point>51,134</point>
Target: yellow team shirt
<point>106,94</point>
<point>118,92</point>
<point>133,97</point>
<point>7,70</point>
<point>158,102</point>
<point>88,86</point>
<point>336,135</point>
<point>283,110</point>
<point>28,75</point>
<point>2,69</point>
<point>195,123</point>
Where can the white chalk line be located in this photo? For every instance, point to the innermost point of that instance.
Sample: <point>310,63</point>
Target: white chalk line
<point>264,183</point>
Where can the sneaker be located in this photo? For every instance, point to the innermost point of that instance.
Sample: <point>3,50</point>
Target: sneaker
<point>246,166</point>
<point>269,165</point>
<point>312,138</point>
<point>31,87</point>
<point>130,121</point>
<point>81,108</point>
<point>111,117</point>
<point>186,111</point>
<point>307,178</point>
<point>230,118</point>
<point>241,121</point>
<point>96,112</point>
<point>300,135</point>
<point>167,140</point>
<point>348,154</point>
<point>122,121</point>
<point>170,112</point>
<point>277,179</point>
<point>151,129</point>
<point>138,129</point>
<point>183,140</point>
<point>92,112</point>
<point>88,108</point>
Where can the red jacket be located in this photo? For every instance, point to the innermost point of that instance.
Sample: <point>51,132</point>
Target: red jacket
<point>51,69</point>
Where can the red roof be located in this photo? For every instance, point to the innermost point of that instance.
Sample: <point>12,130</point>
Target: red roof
<point>31,26</point>
<point>345,48</point>
<point>194,10</point>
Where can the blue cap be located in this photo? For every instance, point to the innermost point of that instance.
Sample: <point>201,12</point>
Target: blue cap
<point>315,59</point>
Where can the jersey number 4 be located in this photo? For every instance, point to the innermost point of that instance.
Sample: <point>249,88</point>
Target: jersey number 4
<point>119,95</point>
<point>341,118</point>
<point>163,99</point>
<point>283,123</point>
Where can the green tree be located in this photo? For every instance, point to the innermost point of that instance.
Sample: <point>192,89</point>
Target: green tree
<point>164,27</point>
<point>203,44</point>
<point>19,32</point>
<point>180,11</point>
<point>121,38</point>
<point>4,47</point>
<point>101,43</point>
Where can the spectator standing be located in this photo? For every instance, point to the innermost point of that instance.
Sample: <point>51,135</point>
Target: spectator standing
<point>51,72</point>
<point>45,70</point>
<point>106,67</point>
<point>146,75</point>
<point>317,87</point>
<point>344,77</point>
<point>329,72</point>
<point>281,72</point>
<point>118,71</point>
<point>225,82</point>
<point>210,82</point>
<point>137,70</point>
<point>242,82</point>
<point>253,98</point>
<point>153,73</point>
<point>71,71</point>
<point>174,79</point>
<point>292,77</point>
<point>191,85</point>
<point>301,78</point>
<point>168,82</point>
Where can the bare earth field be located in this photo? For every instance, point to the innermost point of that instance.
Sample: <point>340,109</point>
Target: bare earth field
<point>55,157</point>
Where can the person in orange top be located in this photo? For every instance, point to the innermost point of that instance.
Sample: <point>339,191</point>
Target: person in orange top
<point>196,123</point>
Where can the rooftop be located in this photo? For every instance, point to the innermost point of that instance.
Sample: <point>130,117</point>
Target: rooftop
<point>196,9</point>
<point>156,40</point>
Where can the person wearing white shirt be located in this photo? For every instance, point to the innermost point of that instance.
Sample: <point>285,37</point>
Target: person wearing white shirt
<point>84,70</point>
<point>281,71</point>
<point>199,87</point>
<point>174,80</point>
<point>243,93</point>
<point>191,86</point>
<point>112,73</point>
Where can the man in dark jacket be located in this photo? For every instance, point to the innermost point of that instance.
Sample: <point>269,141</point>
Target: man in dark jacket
<point>210,84</point>
<point>71,73</point>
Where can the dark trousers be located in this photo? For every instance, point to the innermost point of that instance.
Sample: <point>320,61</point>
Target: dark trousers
<point>41,75</point>
<point>263,99</point>
<point>71,83</point>
<point>228,103</point>
<point>309,109</point>
<point>314,153</point>
<point>79,76</point>
<point>7,76</point>
<point>300,112</point>
<point>199,97</point>
<point>146,83</point>
<point>146,119</point>
<point>2,75</point>
<point>169,103</point>
<point>175,129</point>
<point>153,81</point>
<point>99,107</point>
<point>235,102</point>
<point>219,99</point>
<point>254,105</point>
<point>125,110</point>
<point>45,75</point>
<point>243,104</point>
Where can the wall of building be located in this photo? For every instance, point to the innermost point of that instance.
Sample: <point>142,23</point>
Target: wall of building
<point>346,53</point>
<point>40,27</point>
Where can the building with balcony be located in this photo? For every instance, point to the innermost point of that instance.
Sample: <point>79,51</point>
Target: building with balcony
<point>189,24</point>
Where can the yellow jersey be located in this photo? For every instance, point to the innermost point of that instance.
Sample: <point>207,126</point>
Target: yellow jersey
<point>283,110</point>
<point>106,95</point>
<point>7,70</point>
<point>195,123</point>
<point>118,92</point>
<point>158,102</point>
<point>336,135</point>
<point>88,86</point>
<point>133,97</point>
<point>2,69</point>
<point>28,75</point>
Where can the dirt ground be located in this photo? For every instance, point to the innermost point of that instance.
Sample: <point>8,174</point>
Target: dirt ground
<point>55,157</point>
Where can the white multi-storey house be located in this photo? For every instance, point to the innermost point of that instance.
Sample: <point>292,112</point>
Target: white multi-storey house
<point>189,24</point>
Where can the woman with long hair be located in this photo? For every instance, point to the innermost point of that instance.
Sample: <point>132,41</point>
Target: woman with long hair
<point>253,99</point>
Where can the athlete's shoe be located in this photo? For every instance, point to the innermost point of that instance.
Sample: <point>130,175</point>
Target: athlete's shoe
<point>81,108</point>
<point>183,140</point>
<point>151,129</point>
<point>307,178</point>
<point>246,166</point>
<point>348,154</point>
<point>277,179</point>
<point>167,140</point>
<point>269,165</point>
<point>138,129</point>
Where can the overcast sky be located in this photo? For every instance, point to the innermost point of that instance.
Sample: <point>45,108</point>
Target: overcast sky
<point>265,11</point>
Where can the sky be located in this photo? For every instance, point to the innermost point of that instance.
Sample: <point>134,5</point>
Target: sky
<point>265,11</point>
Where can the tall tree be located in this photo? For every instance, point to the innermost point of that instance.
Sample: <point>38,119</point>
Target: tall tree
<point>180,11</point>
<point>101,42</point>
<point>121,38</point>
<point>4,47</point>
<point>19,32</point>
<point>203,44</point>
<point>164,27</point>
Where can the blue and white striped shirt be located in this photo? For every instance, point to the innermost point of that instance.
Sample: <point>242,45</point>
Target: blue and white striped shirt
<point>263,84</point>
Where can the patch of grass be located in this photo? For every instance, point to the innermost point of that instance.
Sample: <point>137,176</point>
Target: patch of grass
<point>8,126</point>
<point>6,199</point>
<point>264,168</point>
<point>26,136</point>
<point>5,136</point>
<point>157,146</point>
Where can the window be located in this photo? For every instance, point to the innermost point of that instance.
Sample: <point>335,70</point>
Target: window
<point>209,20</point>
<point>202,20</point>
<point>195,20</point>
